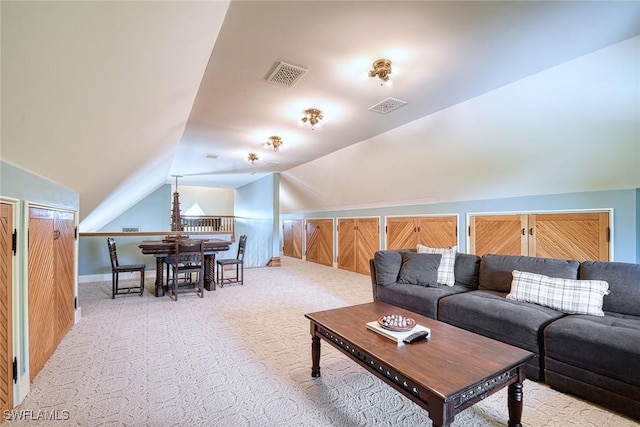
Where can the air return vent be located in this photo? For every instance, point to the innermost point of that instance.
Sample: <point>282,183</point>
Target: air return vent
<point>286,75</point>
<point>387,105</point>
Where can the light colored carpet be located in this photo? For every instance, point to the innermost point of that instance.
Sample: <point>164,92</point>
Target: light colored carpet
<point>241,356</point>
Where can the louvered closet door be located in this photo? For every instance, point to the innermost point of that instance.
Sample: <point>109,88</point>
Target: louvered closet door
<point>498,234</point>
<point>367,243</point>
<point>292,236</point>
<point>64,247</point>
<point>401,233</point>
<point>579,236</point>
<point>438,231</point>
<point>42,292</point>
<point>6,328</point>
<point>347,244</point>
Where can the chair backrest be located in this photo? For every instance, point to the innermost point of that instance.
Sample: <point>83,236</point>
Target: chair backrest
<point>189,251</point>
<point>241,245</point>
<point>113,254</point>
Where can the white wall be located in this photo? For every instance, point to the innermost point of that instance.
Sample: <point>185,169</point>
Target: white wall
<point>572,128</point>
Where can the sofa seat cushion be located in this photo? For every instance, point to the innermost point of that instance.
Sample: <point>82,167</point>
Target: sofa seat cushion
<point>608,346</point>
<point>490,314</point>
<point>419,299</point>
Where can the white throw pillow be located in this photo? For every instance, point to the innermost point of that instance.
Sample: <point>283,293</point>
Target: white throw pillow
<point>566,295</point>
<point>446,275</point>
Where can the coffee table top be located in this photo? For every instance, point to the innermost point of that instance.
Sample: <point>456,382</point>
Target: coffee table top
<point>447,363</point>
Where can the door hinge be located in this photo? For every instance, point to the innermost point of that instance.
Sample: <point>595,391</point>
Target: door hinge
<point>386,229</point>
<point>75,303</point>
<point>469,230</point>
<point>15,370</point>
<point>75,233</point>
<point>14,242</point>
<point>456,231</point>
<point>608,234</point>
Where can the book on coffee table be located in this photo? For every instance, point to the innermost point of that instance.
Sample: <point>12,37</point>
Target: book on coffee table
<point>396,336</point>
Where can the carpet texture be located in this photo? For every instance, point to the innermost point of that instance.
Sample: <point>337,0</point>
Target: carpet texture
<point>241,356</point>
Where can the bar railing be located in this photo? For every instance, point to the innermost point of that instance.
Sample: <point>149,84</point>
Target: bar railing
<point>208,223</point>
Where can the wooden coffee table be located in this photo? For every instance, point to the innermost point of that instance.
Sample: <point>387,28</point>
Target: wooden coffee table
<point>451,371</point>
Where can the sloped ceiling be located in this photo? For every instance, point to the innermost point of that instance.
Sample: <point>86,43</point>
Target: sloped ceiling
<point>111,98</point>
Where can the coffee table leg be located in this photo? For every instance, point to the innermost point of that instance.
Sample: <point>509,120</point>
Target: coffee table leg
<point>315,356</point>
<point>514,400</point>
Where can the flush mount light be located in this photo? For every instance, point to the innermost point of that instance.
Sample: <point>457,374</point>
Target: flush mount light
<point>382,70</point>
<point>252,157</point>
<point>313,116</point>
<point>274,142</point>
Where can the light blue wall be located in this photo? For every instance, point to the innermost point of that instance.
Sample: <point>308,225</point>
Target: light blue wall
<point>638,225</point>
<point>257,213</point>
<point>625,205</point>
<point>20,184</point>
<point>153,213</point>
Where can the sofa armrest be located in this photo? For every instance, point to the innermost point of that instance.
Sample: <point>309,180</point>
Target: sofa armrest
<point>374,281</point>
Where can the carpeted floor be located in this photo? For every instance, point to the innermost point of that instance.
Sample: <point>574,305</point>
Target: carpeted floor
<point>241,357</point>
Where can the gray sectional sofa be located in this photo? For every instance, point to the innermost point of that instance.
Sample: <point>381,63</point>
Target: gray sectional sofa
<point>596,357</point>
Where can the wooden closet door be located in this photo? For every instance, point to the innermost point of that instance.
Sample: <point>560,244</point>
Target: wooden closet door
<point>438,231</point>
<point>367,243</point>
<point>292,236</point>
<point>320,241</point>
<point>6,328</point>
<point>347,244</point>
<point>401,233</point>
<point>579,236</point>
<point>64,249</point>
<point>42,292</point>
<point>498,234</point>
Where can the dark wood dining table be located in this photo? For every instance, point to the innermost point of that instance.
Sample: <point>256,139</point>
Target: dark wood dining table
<point>161,249</point>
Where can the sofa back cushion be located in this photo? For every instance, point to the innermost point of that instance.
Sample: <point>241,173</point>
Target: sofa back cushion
<point>624,284</point>
<point>496,270</point>
<point>467,268</point>
<point>388,263</point>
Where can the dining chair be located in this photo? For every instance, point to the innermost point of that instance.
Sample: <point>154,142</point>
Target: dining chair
<point>116,269</point>
<point>238,262</point>
<point>187,261</point>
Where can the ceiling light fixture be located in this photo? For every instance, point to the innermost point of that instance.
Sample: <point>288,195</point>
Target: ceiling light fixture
<point>313,116</point>
<point>252,157</point>
<point>381,69</point>
<point>274,142</point>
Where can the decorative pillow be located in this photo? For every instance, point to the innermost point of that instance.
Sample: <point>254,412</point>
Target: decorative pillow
<point>419,269</point>
<point>567,295</point>
<point>388,265</point>
<point>446,274</point>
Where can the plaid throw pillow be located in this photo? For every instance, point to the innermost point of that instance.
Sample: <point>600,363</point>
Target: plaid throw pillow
<point>566,295</point>
<point>446,274</point>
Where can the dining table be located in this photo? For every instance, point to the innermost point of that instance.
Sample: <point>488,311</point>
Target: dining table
<point>161,249</point>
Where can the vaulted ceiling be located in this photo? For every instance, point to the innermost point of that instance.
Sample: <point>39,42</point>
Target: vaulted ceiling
<point>112,98</point>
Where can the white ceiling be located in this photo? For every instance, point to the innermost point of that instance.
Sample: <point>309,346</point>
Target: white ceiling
<point>106,97</point>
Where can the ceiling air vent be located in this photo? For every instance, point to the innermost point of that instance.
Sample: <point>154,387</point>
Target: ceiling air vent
<point>387,105</point>
<point>286,75</point>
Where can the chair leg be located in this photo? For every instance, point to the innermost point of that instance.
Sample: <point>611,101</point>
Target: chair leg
<point>114,277</point>
<point>141,282</point>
